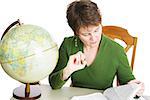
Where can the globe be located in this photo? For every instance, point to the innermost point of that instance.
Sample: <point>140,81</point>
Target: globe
<point>28,53</point>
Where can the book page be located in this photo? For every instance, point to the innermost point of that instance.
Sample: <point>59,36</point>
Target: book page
<point>124,92</point>
<point>141,98</point>
<point>93,96</point>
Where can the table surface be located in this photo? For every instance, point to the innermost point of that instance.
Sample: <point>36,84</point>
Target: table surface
<point>65,93</point>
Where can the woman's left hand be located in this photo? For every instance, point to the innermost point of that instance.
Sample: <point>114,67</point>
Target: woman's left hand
<point>141,91</point>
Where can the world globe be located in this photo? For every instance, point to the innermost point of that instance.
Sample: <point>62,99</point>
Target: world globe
<point>28,53</point>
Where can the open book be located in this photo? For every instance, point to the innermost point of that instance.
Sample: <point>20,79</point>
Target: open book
<point>123,92</point>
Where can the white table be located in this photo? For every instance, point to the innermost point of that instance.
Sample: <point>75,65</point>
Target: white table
<point>65,93</point>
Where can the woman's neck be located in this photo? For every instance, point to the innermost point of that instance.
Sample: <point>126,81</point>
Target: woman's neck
<point>89,48</point>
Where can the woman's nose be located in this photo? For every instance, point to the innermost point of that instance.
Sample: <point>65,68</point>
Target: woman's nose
<point>92,37</point>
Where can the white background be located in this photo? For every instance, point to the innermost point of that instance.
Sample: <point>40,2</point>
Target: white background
<point>51,15</point>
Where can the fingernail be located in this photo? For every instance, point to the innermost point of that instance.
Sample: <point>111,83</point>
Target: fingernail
<point>75,61</point>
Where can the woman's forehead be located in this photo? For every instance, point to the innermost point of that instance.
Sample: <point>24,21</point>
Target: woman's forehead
<point>88,28</point>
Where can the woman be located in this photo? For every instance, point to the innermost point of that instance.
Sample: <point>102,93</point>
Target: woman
<point>90,58</point>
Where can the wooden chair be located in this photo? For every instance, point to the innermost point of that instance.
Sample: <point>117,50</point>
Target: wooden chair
<point>115,32</point>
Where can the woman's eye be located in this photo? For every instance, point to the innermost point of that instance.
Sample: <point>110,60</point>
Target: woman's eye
<point>96,30</point>
<point>86,34</point>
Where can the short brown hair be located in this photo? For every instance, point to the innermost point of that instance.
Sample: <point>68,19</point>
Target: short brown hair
<point>83,13</point>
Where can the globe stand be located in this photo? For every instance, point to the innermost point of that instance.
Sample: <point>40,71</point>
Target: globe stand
<point>27,92</point>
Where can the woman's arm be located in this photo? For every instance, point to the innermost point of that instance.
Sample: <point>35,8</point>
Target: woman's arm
<point>65,67</point>
<point>55,78</point>
<point>124,71</point>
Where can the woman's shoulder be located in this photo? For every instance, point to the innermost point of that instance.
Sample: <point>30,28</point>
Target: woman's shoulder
<point>112,44</point>
<point>69,39</point>
<point>69,43</point>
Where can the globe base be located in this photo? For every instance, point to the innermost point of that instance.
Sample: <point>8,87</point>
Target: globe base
<point>27,92</point>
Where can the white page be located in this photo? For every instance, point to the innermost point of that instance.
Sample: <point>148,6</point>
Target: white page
<point>93,96</point>
<point>124,92</point>
<point>141,98</point>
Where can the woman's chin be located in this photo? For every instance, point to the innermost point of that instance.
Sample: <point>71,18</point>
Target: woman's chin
<point>94,45</point>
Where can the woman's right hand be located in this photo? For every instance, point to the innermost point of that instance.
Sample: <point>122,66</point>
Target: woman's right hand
<point>76,62</point>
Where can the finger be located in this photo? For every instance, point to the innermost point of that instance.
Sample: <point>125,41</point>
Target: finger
<point>79,54</point>
<point>134,81</point>
<point>72,59</point>
<point>79,57</point>
<point>84,63</point>
<point>82,58</point>
<point>140,93</point>
<point>81,66</point>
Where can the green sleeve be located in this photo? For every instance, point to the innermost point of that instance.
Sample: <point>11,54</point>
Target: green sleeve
<point>124,72</point>
<point>55,77</point>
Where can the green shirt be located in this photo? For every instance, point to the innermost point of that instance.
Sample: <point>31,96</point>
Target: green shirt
<point>110,60</point>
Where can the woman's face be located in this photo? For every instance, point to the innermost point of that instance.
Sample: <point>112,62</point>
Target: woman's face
<point>90,35</point>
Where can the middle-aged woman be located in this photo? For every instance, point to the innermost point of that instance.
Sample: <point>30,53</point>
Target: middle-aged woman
<point>90,58</point>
